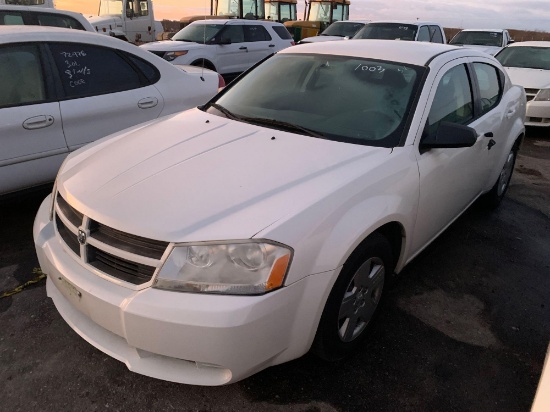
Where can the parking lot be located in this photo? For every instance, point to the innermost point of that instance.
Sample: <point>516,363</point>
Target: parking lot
<point>465,328</point>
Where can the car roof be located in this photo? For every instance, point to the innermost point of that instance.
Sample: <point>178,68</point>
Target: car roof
<point>530,44</point>
<point>352,21</point>
<point>411,22</point>
<point>415,53</point>
<point>487,30</point>
<point>21,34</point>
<point>237,21</point>
<point>40,10</point>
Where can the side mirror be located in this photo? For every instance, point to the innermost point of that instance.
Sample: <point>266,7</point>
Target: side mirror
<point>224,40</point>
<point>449,135</point>
<point>511,41</point>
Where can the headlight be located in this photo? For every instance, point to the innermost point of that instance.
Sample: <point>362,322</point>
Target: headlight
<point>543,95</point>
<point>172,55</point>
<point>233,268</point>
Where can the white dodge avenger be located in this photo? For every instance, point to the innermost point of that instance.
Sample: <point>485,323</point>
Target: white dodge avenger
<point>204,247</point>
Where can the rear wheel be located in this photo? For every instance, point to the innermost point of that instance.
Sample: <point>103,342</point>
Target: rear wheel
<point>493,198</point>
<point>355,298</point>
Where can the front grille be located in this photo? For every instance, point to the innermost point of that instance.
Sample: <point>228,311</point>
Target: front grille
<point>125,256</point>
<point>127,242</point>
<point>531,93</point>
<point>119,268</point>
<point>68,237</point>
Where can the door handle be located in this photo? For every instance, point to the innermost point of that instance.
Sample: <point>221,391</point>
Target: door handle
<point>491,144</point>
<point>147,102</point>
<point>510,113</point>
<point>271,45</point>
<point>38,122</point>
<point>243,48</point>
<point>488,134</point>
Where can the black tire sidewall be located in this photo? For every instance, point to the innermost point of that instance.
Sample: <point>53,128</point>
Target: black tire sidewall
<point>327,343</point>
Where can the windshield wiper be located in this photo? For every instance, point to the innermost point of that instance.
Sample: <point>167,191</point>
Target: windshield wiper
<point>284,126</point>
<point>227,113</point>
<point>269,122</point>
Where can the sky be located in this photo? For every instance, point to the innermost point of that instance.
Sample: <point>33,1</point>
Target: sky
<point>506,14</point>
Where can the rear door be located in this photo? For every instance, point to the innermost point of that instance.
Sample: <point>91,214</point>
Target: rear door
<point>103,92</point>
<point>31,133</point>
<point>259,42</point>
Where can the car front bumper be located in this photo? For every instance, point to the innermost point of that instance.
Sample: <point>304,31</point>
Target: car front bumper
<point>538,114</point>
<point>181,337</point>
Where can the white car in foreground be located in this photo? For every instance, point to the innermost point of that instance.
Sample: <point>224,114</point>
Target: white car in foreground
<point>264,224</point>
<point>528,65</point>
<point>61,89</point>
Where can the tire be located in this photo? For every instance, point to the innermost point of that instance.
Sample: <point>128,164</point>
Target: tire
<point>492,198</point>
<point>354,299</point>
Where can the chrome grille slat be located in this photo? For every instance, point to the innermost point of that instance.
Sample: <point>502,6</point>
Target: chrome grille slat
<point>73,215</point>
<point>123,269</point>
<point>130,243</point>
<point>68,237</point>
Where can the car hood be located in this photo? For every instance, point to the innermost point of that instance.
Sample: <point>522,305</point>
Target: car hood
<point>172,45</point>
<point>108,22</point>
<point>196,176</point>
<point>318,39</point>
<point>529,78</point>
<point>492,50</point>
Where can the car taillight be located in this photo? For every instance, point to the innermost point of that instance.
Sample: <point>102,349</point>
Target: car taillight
<point>221,82</point>
<point>292,43</point>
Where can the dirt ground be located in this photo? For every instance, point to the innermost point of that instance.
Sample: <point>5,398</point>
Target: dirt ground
<point>466,328</point>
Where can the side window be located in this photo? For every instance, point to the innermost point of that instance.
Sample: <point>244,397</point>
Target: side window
<point>423,34</point>
<point>490,89</point>
<point>234,33</point>
<point>453,99</point>
<point>21,77</point>
<point>56,20</point>
<point>143,8</point>
<point>436,36</point>
<point>149,71</point>
<point>256,33</point>
<point>87,70</point>
<point>10,18</point>
<point>282,32</point>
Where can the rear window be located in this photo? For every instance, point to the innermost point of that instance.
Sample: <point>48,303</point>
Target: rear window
<point>388,31</point>
<point>282,32</point>
<point>57,20</point>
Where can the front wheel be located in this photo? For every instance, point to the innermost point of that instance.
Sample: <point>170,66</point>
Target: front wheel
<point>354,299</point>
<point>493,198</point>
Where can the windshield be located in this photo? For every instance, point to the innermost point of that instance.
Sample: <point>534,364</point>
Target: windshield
<point>388,31</point>
<point>110,8</point>
<point>198,32</point>
<point>342,29</point>
<point>479,38</point>
<point>320,11</point>
<point>525,57</point>
<point>338,98</point>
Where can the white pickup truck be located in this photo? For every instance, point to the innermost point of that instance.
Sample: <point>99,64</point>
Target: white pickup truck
<point>130,20</point>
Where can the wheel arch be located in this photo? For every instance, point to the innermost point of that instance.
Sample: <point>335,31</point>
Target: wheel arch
<point>204,62</point>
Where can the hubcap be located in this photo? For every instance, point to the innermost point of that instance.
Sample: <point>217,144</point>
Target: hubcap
<point>506,174</point>
<point>361,299</point>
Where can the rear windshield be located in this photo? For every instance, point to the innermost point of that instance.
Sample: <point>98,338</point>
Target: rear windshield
<point>282,32</point>
<point>525,57</point>
<point>479,38</point>
<point>342,29</point>
<point>338,98</point>
<point>388,31</point>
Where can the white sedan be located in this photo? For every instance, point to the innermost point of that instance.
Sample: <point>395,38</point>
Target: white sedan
<point>528,65</point>
<point>61,89</point>
<point>268,223</point>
